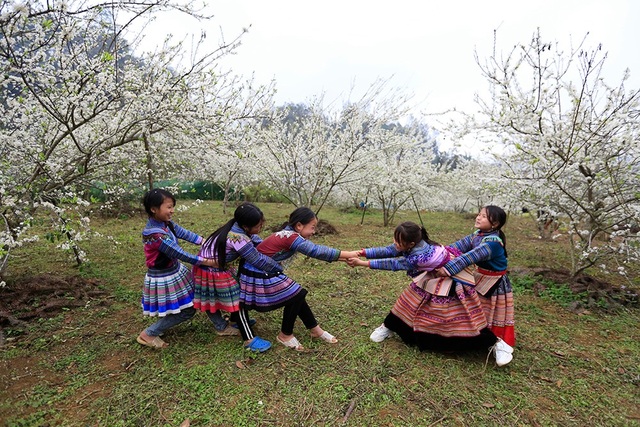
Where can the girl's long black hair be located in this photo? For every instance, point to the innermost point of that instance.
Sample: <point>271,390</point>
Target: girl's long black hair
<point>497,215</point>
<point>410,232</point>
<point>247,215</point>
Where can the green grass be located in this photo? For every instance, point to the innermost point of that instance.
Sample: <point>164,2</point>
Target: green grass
<point>83,366</point>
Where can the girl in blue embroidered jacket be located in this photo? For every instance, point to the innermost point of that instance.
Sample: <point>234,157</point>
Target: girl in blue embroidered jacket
<point>486,248</point>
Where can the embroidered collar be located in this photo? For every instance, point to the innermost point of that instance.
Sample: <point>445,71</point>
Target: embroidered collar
<point>288,231</point>
<point>237,229</point>
<point>155,223</point>
<point>492,236</point>
<point>418,247</point>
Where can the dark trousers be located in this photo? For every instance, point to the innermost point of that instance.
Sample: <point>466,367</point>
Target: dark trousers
<point>241,317</point>
<point>297,307</point>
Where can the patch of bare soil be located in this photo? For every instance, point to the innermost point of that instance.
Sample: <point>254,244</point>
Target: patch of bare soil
<point>597,293</point>
<point>39,297</point>
<point>323,228</point>
<point>29,299</point>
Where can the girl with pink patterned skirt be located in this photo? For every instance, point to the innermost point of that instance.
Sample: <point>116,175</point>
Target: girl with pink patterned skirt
<point>216,288</point>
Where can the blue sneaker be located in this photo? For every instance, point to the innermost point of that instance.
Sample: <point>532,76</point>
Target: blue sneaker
<point>258,345</point>
<point>251,323</point>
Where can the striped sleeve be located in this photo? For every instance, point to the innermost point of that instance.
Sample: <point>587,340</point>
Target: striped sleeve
<point>392,264</point>
<point>381,252</point>
<point>260,261</point>
<point>184,234</point>
<point>172,249</point>
<point>310,249</point>
<point>481,253</point>
<point>464,245</point>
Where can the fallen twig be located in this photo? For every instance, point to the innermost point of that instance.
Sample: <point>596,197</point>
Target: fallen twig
<point>350,409</point>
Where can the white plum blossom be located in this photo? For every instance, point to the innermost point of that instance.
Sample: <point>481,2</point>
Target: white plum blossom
<point>569,142</point>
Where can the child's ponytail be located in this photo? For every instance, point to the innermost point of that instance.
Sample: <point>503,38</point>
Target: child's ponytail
<point>425,237</point>
<point>220,249</point>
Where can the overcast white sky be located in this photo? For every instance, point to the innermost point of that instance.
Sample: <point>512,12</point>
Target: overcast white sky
<point>426,47</point>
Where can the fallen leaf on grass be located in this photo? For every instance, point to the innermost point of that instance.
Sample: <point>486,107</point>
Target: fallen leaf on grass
<point>243,364</point>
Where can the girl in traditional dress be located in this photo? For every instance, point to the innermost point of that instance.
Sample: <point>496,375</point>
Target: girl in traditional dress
<point>262,291</point>
<point>413,251</point>
<point>455,307</point>
<point>168,285</point>
<point>486,248</point>
<point>216,288</point>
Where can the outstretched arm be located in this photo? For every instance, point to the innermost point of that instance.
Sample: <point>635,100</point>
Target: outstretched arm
<point>184,234</point>
<point>310,249</point>
<point>389,251</point>
<point>392,264</point>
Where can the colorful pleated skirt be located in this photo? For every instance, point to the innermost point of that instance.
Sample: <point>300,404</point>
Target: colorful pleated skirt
<point>167,291</point>
<point>215,289</point>
<point>462,320</point>
<point>262,291</point>
<point>499,311</point>
<point>460,315</point>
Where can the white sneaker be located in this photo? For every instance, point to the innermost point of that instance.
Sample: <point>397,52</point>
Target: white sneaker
<point>503,352</point>
<point>380,333</point>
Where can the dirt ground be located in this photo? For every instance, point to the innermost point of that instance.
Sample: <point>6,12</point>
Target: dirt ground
<point>38,297</point>
<point>599,293</point>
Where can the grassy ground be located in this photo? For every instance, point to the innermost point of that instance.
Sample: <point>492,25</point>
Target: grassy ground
<point>83,367</point>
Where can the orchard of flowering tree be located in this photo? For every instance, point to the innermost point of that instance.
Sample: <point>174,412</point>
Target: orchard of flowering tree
<point>83,109</point>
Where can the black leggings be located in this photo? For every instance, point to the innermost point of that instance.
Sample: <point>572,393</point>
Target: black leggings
<point>297,307</point>
<point>241,317</point>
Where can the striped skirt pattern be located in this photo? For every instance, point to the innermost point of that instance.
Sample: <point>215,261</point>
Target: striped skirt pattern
<point>260,292</point>
<point>167,291</point>
<point>499,311</point>
<point>460,315</point>
<point>215,290</point>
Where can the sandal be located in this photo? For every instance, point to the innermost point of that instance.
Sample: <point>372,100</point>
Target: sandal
<point>327,337</point>
<point>292,343</point>
<point>156,342</point>
<point>258,345</point>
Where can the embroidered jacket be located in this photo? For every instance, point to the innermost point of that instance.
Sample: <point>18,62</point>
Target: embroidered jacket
<point>485,249</point>
<point>240,245</point>
<point>422,257</point>
<point>283,244</point>
<point>161,248</point>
